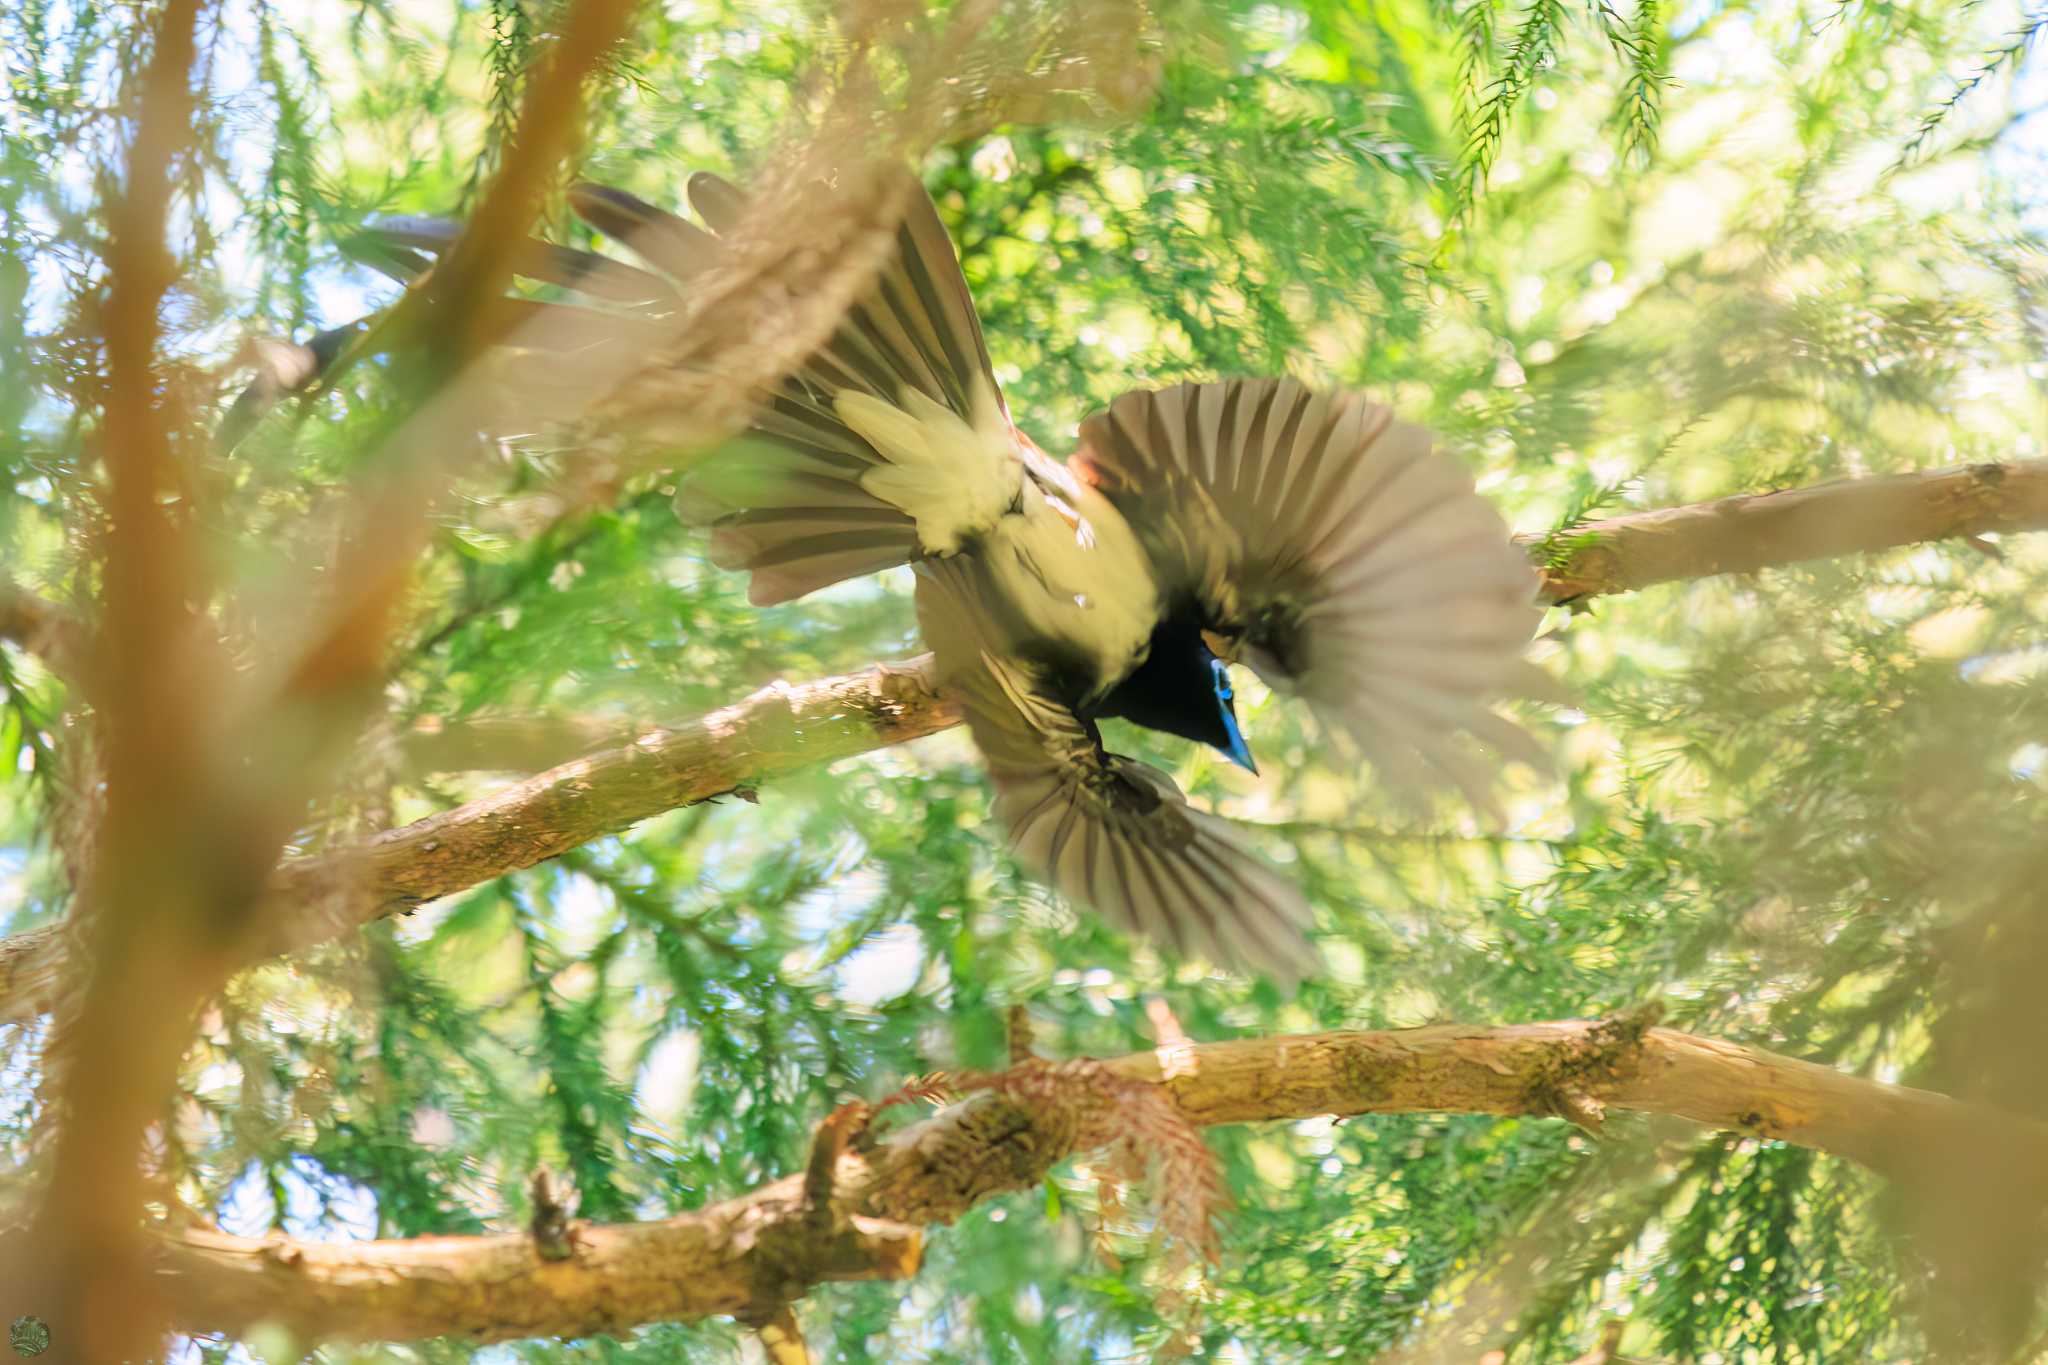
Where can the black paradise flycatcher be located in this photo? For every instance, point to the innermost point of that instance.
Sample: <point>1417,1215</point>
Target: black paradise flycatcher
<point>1308,535</point>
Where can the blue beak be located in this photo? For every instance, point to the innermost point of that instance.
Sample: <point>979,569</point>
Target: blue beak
<point>1236,750</point>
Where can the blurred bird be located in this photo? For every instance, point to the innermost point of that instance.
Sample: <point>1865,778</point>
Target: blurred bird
<point>1308,535</point>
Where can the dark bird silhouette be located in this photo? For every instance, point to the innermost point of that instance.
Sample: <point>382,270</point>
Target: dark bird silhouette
<point>1308,535</point>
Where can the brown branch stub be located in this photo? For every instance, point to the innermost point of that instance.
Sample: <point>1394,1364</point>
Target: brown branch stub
<point>550,1226</point>
<point>1580,1109</point>
<point>821,1173</point>
<point>822,1239</point>
<point>783,1339</point>
<point>1137,1126</point>
<point>1017,1021</point>
<point>1606,1057</point>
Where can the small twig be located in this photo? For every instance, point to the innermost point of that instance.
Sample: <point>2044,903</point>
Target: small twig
<point>1582,1111</point>
<point>1612,1049</point>
<point>828,1144</point>
<point>783,1339</point>
<point>553,1238</point>
<point>1019,1020</point>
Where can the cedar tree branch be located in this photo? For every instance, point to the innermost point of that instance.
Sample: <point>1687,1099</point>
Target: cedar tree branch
<point>1762,530</point>
<point>749,1255</point>
<point>777,731</point>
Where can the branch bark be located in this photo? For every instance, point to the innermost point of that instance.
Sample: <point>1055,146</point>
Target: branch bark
<point>787,727</point>
<point>778,730</point>
<point>734,1259</point>
<point>748,1255</point>
<point>160,885</point>
<point>1762,530</point>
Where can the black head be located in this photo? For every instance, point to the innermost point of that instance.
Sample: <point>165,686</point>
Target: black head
<point>1182,689</point>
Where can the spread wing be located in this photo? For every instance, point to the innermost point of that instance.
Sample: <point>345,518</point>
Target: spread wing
<point>1350,563</point>
<point>889,441</point>
<point>1106,831</point>
<point>883,443</point>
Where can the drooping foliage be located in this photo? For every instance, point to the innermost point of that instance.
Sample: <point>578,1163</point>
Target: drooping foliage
<point>1620,254</point>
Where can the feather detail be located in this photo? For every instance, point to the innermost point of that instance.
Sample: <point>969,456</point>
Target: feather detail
<point>906,366</point>
<point>895,425</point>
<point>671,244</point>
<point>953,478</point>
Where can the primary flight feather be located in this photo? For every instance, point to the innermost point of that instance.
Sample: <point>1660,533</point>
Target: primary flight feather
<point>1308,535</point>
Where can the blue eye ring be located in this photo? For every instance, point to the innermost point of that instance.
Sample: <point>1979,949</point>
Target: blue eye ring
<point>1221,672</point>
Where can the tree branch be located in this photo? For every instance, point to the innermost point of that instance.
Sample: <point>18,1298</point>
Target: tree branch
<point>191,825</point>
<point>752,1254</point>
<point>737,1258</point>
<point>777,731</point>
<point>787,727</point>
<point>1763,530</point>
<point>160,884</point>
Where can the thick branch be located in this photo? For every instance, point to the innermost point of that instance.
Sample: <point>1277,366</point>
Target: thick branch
<point>740,1258</point>
<point>161,882</point>
<point>785,728</point>
<point>1761,530</point>
<point>778,730</point>
<point>768,1246</point>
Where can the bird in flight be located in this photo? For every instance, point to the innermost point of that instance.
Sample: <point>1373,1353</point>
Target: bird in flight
<point>1308,535</point>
